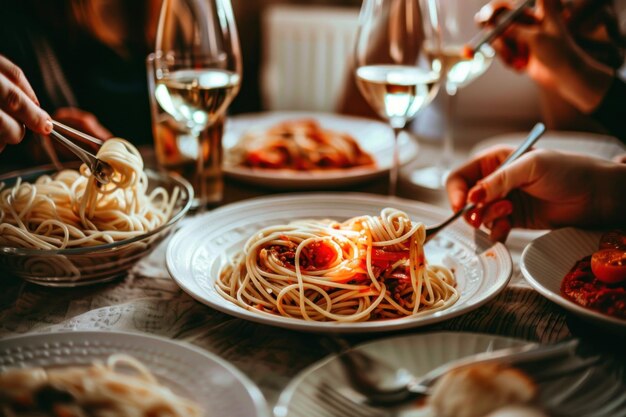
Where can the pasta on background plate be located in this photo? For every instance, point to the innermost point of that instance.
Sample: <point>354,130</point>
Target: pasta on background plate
<point>300,145</point>
<point>99,390</point>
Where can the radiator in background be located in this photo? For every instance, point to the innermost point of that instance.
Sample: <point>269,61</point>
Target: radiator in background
<point>307,51</point>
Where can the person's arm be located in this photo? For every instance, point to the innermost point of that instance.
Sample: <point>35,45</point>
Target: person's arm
<point>541,190</point>
<point>611,112</point>
<point>548,53</point>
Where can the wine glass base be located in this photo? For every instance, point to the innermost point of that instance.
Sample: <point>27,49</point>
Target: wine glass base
<point>433,178</point>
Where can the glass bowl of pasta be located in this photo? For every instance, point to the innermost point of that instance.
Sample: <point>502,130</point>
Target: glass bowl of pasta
<point>64,229</point>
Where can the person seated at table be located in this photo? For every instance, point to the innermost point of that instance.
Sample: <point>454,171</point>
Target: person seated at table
<point>86,61</point>
<point>575,82</point>
<point>541,190</point>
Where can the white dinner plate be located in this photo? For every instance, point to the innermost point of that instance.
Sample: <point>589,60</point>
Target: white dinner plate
<point>200,249</point>
<point>373,136</point>
<point>590,393</point>
<point>591,144</point>
<point>546,260</point>
<point>214,384</point>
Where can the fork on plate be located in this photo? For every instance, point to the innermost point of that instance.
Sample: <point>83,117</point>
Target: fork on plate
<point>374,383</point>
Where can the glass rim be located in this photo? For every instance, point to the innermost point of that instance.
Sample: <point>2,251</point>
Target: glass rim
<point>178,180</point>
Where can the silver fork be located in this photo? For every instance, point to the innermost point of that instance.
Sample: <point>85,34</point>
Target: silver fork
<point>345,401</point>
<point>101,170</point>
<point>533,136</point>
<point>384,385</point>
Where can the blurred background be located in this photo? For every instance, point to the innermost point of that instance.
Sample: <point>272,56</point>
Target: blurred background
<point>296,54</point>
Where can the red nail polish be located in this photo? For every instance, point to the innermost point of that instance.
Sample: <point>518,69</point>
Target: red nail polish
<point>474,217</point>
<point>477,195</point>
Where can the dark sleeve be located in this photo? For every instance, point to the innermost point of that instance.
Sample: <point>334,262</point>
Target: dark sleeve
<point>611,112</point>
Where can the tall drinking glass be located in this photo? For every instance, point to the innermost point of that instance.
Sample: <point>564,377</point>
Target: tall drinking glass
<point>457,28</point>
<point>196,73</point>
<point>394,70</point>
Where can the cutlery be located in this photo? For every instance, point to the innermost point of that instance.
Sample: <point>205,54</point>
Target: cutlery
<point>488,35</point>
<point>537,131</point>
<point>101,170</point>
<point>347,401</point>
<point>380,384</point>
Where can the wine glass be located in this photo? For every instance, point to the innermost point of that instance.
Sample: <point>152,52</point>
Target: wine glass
<point>394,70</point>
<point>196,70</point>
<point>457,27</point>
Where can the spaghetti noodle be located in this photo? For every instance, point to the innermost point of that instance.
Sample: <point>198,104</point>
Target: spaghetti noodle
<point>369,267</point>
<point>71,209</point>
<point>300,145</point>
<point>96,390</point>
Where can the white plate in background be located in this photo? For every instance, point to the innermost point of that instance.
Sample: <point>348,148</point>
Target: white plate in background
<point>585,394</point>
<point>373,136</point>
<point>591,144</point>
<point>200,249</point>
<point>549,258</point>
<point>211,382</point>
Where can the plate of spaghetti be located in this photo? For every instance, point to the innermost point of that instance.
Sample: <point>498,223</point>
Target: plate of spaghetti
<point>63,228</point>
<point>309,150</point>
<point>335,262</point>
<point>120,374</point>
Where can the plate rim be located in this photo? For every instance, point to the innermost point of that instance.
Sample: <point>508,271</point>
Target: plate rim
<point>293,177</point>
<point>287,393</point>
<point>333,327</point>
<point>256,395</point>
<point>561,135</point>
<point>557,298</point>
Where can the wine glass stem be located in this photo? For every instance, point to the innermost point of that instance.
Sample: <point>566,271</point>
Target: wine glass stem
<point>200,171</point>
<point>447,155</point>
<point>395,166</point>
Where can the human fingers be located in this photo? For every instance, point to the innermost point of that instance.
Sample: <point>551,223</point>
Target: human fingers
<point>552,15</point>
<point>497,185</point>
<point>11,132</point>
<point>620,159</point>
<point>17,77</point>
<point>83,121</point>
<point>503,49</point>
<point>461,179</point>
<point>496,210</point>
<point>500,229</point>
<point>16,104</point>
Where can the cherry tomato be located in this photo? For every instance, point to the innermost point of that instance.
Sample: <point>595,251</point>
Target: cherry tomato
<point>322,254</point>
<point>615,239</point>
<point>609,265</point>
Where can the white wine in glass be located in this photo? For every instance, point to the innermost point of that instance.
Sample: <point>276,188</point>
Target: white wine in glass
<point>397,92</point>
<point>197,97</point>
<point>460,68</point>
<point>394,71</point>
<point>456,28</point>
<point>196,74</point>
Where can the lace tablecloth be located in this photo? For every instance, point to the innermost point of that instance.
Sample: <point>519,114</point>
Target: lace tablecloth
<point>149,301</point>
